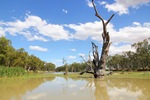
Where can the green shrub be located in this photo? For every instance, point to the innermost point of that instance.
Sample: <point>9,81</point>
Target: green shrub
<point>11,71</point>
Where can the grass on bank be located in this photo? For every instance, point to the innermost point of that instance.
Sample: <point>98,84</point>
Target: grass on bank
<point>18,72</point>
<point>141,75</point>
<point>40,75</point>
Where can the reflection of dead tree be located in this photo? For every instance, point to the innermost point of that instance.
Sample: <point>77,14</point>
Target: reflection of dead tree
<point>101,90</point>
<point>100,63</point>
<point>99,87</point>
<point>90,84</point>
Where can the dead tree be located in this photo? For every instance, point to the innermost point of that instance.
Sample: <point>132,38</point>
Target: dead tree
<point>100,63</point>
<point>65,64</point>
<point>89,65</point>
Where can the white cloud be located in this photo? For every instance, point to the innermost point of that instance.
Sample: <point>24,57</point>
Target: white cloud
<point>122,6</point>
<point>31,37</point>
<point>137,31</point>
<point>73,49</point>
<point>120,49</point>
<point>136,24</point>
<point>131,34</point>
<point>38,48</point>
<point>102,3</point>
<point>89,3</point>
<point>126,35</point>
<point>71,57</point>
<point>65,11</point>
<point>146,25</point>
<point>82,54</point>
<point>86,30</point>
<point>2,32</point>
<point>34,28</point>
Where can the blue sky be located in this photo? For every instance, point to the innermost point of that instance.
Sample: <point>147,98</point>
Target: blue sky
<point>57,29</point>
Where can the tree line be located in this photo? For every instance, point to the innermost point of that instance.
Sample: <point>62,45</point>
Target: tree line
<point>127,61</point>
<point>11,57</point>
<point>74,67</point>
<point>138,60</point>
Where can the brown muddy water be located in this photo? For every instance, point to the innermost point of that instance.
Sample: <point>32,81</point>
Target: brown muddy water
<point>59,88</point>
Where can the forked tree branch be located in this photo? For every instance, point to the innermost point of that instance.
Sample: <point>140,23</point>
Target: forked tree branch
<point>96,14</point>
<point>110,19</point>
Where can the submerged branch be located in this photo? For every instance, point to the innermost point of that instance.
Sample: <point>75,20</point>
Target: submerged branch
<point>90,72</point>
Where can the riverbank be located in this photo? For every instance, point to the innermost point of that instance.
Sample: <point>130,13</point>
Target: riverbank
<point>140,75</point>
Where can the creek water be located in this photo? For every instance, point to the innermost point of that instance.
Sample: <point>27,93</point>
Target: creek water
<point>60,88</point>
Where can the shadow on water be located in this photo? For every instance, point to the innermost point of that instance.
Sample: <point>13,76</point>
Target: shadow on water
<point>60,88</point>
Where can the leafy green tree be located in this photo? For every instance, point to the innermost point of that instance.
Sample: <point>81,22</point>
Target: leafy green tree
<point>50,67</point>
<point>142,54</point>
<point>75,67</point>
<point>128,60</point>
<point>60,69</point>
<point>114,62</point>
<point>5,51</point>
<point>20,58</point>
<point>139,60</point>
<point>9,57</point>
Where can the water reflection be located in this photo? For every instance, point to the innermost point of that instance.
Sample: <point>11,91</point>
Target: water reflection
<point>100,90</point>
<point>61,89</point>
<point>74,89</point>
<point>129,89</point>
<point>14,89</point>
<point>120,89</point>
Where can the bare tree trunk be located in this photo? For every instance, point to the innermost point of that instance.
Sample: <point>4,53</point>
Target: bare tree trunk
<point>65,64</point>
<point>100,63</point>
<point>106,44</point>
